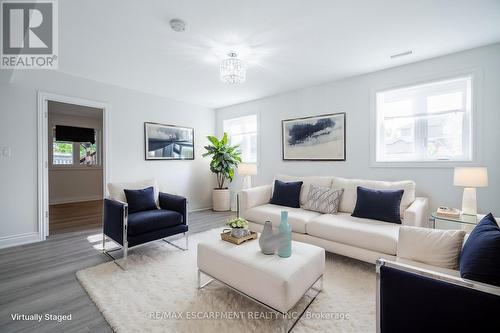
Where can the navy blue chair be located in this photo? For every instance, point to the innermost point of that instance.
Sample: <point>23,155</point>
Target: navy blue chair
<point>129,230</point>
<point>415,300</point>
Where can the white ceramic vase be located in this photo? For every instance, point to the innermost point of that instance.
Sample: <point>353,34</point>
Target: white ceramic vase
<point>267,241</point>
<point>221,200</point>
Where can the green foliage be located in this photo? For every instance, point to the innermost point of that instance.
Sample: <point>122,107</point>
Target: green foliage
<point>225,158</point>
<point>63,147</point>
<point>237,223</point>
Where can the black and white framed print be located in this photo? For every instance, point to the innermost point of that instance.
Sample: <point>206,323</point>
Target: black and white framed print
<point>168,142</point>
<point>316,138</point>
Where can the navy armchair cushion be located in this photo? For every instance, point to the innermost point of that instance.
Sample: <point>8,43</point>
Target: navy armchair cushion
<point>151,220</point>
<point>140,200</point>
<point>382,205</point>
<point>286,194</point>
<point>134,240</point>
<point>480,259</point>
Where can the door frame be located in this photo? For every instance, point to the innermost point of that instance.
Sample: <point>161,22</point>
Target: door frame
<point>43,159</point>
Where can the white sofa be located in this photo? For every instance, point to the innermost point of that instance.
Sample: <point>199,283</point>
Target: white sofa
<point>341,233</point>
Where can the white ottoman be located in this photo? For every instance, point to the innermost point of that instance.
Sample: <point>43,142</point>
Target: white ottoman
<point>278,283</point>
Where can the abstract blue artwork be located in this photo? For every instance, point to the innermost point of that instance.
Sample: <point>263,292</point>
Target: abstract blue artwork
<point>320,138</point>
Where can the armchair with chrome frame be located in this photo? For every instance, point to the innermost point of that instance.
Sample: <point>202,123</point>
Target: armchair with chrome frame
<point>129,230</point>
<point>413,299</point>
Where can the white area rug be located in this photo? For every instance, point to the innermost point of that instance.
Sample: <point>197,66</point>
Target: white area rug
<point>158,293</point>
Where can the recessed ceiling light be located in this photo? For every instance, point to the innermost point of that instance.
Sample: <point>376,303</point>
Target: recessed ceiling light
<point>402,54</point>
<point>177,25</point>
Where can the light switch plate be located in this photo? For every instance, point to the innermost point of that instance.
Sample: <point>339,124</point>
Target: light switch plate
<point>5,151</point>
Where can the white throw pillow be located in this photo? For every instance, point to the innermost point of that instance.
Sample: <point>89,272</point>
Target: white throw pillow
<point>323,199</point>
<point>439,248</point>
<point>116,189</point>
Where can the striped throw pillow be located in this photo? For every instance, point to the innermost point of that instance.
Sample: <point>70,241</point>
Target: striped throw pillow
<point>323,199</point>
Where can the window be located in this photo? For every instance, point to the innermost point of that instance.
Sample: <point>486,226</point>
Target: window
<point>74,154</point>
<point>88,153</point>
<point>62,153</point>
<point>243,131</point>
<point>425,123</point>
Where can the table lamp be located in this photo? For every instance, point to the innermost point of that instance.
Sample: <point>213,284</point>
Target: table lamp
<point>470,178</point>
<point>247,170</point>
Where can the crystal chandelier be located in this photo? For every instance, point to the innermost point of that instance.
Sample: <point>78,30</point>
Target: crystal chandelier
<point>232,69</point>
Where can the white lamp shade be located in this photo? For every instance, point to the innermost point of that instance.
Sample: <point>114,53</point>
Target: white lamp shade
<point>247,169</point>
<point>471,177</point>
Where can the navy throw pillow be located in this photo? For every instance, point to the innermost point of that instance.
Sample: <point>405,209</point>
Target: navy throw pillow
<point>286,194</point>
<point>480,258</point>
<point>140,200</point>
<point>382,205</point>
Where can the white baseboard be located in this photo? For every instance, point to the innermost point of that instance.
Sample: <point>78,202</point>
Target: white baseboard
<point>72,200</point>
<point>207,208</point>
<point>14,240</point>
<point>199,209</point>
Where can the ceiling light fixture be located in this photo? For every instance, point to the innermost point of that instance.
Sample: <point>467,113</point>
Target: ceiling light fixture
<point>402,54</point>
<point>177,25</point>
<point>232,69</point>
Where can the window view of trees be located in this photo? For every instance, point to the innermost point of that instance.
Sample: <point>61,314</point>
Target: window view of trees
<point>62,153</point>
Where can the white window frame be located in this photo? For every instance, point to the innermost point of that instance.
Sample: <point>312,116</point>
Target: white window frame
<point>257,115</point>
<point>475,116</point>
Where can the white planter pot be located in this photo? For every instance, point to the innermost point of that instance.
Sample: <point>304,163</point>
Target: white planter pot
<point>221,200</point>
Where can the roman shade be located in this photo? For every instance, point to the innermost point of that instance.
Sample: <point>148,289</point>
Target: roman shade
<point>75,134</point>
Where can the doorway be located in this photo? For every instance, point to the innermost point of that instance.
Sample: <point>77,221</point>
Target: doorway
<point>72,163</point>
<point>75,167</point>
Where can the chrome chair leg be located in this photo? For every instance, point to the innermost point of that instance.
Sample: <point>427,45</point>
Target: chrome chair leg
<point>116,261</point>
<point>177,246</point>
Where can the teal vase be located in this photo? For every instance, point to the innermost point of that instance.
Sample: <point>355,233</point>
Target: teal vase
<point>285,247</point>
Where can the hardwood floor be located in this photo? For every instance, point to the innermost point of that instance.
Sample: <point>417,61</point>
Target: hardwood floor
<point>75,216</point>
<point>40,278</point>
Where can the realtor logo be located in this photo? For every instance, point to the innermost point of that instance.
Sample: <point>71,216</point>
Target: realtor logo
<point>29,34</point>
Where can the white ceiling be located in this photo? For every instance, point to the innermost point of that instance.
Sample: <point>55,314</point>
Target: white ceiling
<point>286,44</point>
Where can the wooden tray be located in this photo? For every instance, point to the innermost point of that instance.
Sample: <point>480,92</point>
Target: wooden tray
<point>226,236</point>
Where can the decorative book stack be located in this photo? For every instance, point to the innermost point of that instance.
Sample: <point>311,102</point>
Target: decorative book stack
<point>448,212</point>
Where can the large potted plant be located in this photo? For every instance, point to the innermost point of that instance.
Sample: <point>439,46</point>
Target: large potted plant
<point>225,159</point>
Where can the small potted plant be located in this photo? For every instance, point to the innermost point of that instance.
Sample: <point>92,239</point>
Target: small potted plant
<point>239,227</point>
<point>225,159</point>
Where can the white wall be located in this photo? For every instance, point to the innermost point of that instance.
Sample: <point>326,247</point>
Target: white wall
<point>73,184</point>
<point>128,111</point>
<point>353,96</point>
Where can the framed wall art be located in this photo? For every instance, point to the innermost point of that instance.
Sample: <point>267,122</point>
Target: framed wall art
<point>168,142</point>
<point>316,138</point>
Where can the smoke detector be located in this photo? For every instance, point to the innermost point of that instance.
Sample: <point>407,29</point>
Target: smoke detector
<point>177,25</point>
